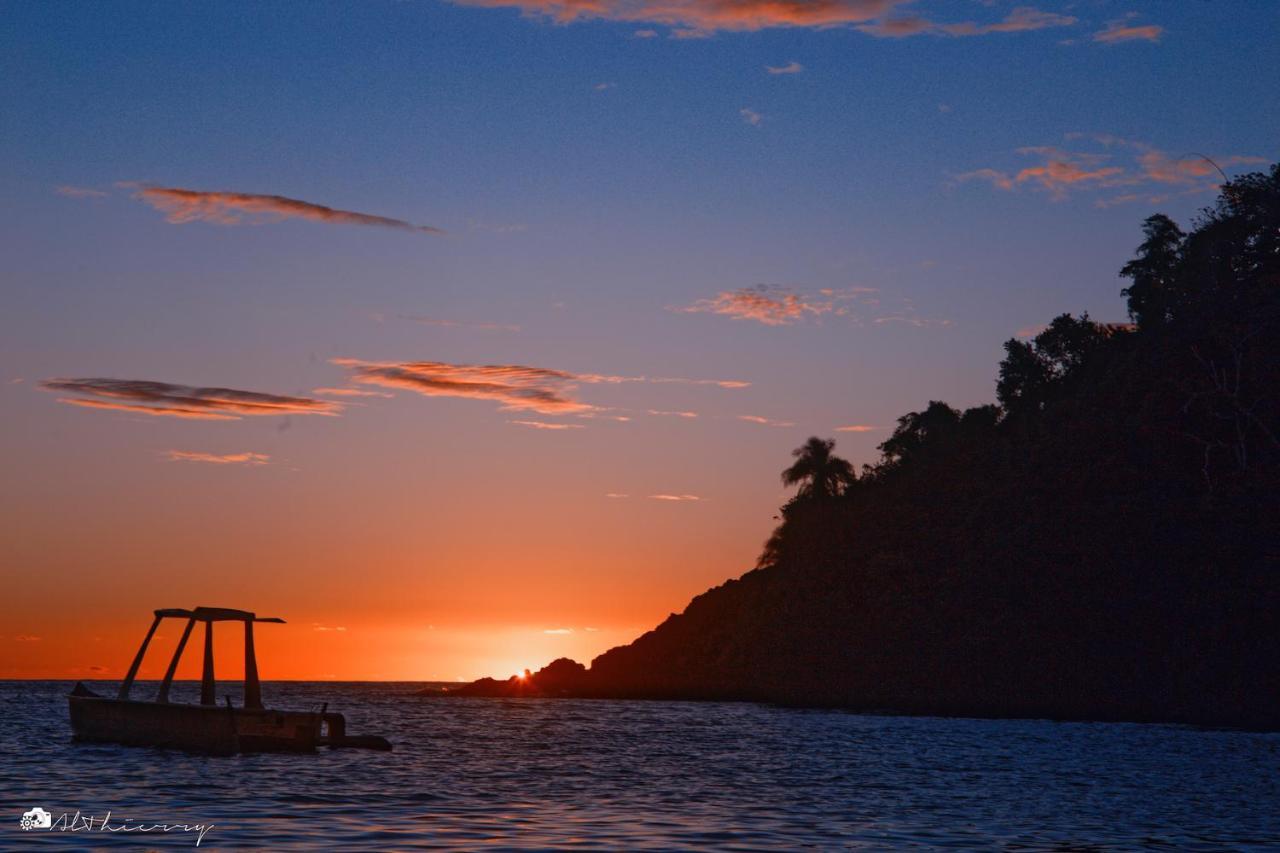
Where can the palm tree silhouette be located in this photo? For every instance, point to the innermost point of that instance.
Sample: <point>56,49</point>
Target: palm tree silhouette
<point>819,473</point>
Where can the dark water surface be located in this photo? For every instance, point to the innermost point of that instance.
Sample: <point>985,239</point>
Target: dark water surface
<point>561,773</point>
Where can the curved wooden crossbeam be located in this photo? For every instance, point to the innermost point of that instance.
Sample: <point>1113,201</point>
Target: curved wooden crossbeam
<point>208,684</point>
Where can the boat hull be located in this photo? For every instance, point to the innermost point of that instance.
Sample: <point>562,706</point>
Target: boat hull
<point>198,728</point>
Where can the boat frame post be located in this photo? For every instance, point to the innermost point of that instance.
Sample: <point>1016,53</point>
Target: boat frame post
<point>252,686</point>
<point>163,695</point>
<point>127,684</point>
<point>208,687</point>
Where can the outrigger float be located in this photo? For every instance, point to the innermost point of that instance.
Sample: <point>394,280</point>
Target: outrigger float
<point>207,727</point>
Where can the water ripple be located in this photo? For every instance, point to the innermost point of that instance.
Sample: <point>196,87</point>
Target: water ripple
<point>525,774</point>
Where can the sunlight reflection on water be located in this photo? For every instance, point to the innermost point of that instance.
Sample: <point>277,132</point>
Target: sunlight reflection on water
<point>653,775</point>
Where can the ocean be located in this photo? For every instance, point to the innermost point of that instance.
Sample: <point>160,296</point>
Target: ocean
<point>554,774</point>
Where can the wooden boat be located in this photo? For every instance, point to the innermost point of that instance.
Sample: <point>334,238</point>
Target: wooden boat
<point>207,727</point>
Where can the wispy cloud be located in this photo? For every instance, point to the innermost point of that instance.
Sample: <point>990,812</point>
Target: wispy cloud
<point>79,192</point>
<point>792,67</point>
<point>674,380</point>
<point>459,324</point>
<point>909,318</point>
<point>1141,170</point>
<point>750,116</point>
<point>701,18</point>
<point>560,631</point>
<point>661,413</point>
<point>695,18</point>
<point>316,626</point>
<point>182,401</point>
<point>349,392</point>
<point>767,304</point>
<point>616,495</point>
<point>600,87</point>
<point>772,305</point>
<point>234,208</point>
<point>546,425</point>
<point>497,227</point>
<point>218,458</point>
<point>27,638</point>
<point>1022,19</point>
<point>515,387</point>
<point>857,428</point>
<point>757,419</point>
<point>603,415</point>
<point>1122,29</point>
<point>675,498</point>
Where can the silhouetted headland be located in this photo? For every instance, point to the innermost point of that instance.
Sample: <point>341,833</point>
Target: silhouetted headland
<point>1104,544</point>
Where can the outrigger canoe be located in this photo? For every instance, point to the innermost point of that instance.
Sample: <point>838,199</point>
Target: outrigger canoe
<point>207,727</point>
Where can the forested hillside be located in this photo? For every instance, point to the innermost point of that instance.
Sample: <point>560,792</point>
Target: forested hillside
<point>1103,544</point>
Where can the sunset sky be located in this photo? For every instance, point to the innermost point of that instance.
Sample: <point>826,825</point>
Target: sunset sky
<point>468,336</point>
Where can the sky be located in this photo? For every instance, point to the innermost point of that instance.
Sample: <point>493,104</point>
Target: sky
<point>465,336</point>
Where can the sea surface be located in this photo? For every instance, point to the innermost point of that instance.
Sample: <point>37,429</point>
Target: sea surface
<point>529,773</point>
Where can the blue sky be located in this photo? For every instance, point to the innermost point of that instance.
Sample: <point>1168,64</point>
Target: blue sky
<point>595,182</point>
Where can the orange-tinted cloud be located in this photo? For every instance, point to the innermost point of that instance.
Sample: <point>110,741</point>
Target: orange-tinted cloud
<point>857,428</point>
<point>675,380</point>
<point>1056,175</point>
<point>675,498</point>
<point>546,425</point>
<point>1189,170</point>
<point>1021,19</point>
<point>234,208</point>
<point>772,306</point>
<point>661,413</point>
<point>516,387</point>
<point>1122,163</point>
<point>701,18</point>
<point>779,306</point>
<point>995,177</point>
<point>182,401</point>
<point>218,458</point>
<point>1121,30</point>
<point>757,419</point>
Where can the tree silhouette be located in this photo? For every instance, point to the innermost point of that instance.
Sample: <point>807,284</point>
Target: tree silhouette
<point>819,473</point>
<point>1154,272</point>
<point>1033,370</point>
<point>919,430</point>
